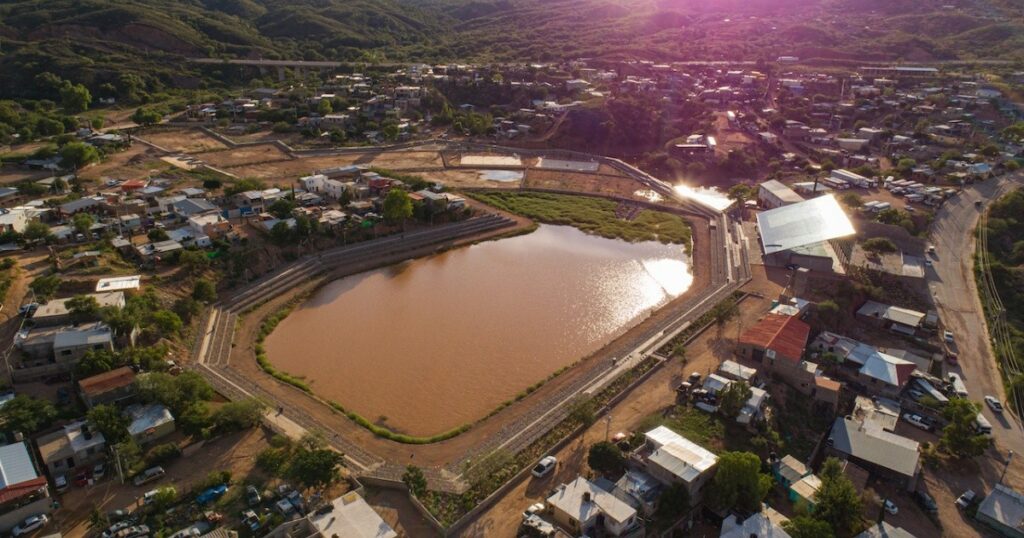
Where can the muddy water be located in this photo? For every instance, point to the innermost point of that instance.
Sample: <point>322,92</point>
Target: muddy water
<point>438,342</point>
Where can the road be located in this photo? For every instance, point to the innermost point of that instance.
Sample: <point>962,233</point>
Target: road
<point>954,289</point>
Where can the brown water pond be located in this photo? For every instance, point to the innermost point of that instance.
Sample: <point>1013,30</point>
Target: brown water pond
<point>430,344</point>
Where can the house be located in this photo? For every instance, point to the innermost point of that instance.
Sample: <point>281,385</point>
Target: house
<point>348,516</point>
<point>737,372</point>
<point>159,248</point>
<point>64,345</point>
<point>764,524</point>
<point>109,387</point>
<point>119,283</point>
<point>884,530</point>
<point>212,225</point>
<point>672,459</point>
<point>23,491</point>
<point>55,312</point>
<point>1003,510</point>
<point>14,220</point>
<point>753,409</point>
<point>773,193</point>
<point>149,422</point>
<point>74,445</point>
<point>581,507</point>
<point>789,470</point>
<point>81,205</point>
<point>776,341</point>
<point>894,318</point>
<point>191,206</point>
<point>805,492</point>
<point>884,454</point>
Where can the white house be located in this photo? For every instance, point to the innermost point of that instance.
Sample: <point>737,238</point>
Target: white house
<point>580,506</point>
<point>672,458</point>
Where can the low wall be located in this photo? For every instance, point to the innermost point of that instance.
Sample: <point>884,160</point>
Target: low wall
<point>394,484</point>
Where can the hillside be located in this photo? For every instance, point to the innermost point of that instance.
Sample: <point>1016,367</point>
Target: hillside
<point>95,41</point>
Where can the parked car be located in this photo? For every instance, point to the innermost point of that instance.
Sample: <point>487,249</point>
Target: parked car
<point>927,502</point>
<point>533,510</point>
<point>116,528</point>
<point>133,532</point>
<point>118,515</point>
<point>284,507</point>
<point>31,523</point>
<point>82,478</point>
<point>947,336</point>
<point>252,496</point>
<point>149,475</point>
<point>149,496</point>
<point>890,507</point>
<point>296,499</point>
<point>60,483</point>
<point>251,520</point>
<point>211,494</point>
<point>28,309</point>
<point>99,470</point>
<point>965,499</point>
<point>544,466</point>
<point>994,404</point>
<point>919,421</point>
<point>190,532</point>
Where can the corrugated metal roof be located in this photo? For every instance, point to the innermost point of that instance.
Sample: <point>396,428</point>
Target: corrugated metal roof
<point>805,223</point>
<point>872,444</point>
<point>786,335</point>
<point>1004,506</point>
<point>15,465</point>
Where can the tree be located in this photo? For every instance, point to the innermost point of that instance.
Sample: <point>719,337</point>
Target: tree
<point>397,206</point>
<point>237,415</point>
<point>415,480</point>
<point>807,527</point>
<point>27,415</point>
<point>739,483</point>
<point>166,323</point>
<point>313,464</point>
<point>673,502</point>
<point>325,107</point>
<point>36,231</point>
<point>582,410</point>
<point>108,420</point>
<point>82,223</point>
<point>164,498</point>
<point>390,131</point>
<point>879,245</point>
<point>96,361</point>
<point>606,458</point>
<point>204,290</point>
<point>281,208</point>
<point>75,98</point>
<point>147,116</point>
<point>195,419</point>
<point>83,308</point>
<point>77,155</point>
<point>281,234</point>
<point>156,235</point>
<point>741,192</point>
<point>838,502</point>
<point>194,261</point>
<point>852,200</point>
<point>828,313</point>
<point>45,286</point>
<point>960,437</point>
<point>733,398</point>
<point>175,392</point>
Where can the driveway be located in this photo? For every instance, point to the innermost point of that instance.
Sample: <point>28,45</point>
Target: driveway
<point>951,280</point>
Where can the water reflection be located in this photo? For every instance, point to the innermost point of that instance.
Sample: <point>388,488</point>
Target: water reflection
<point>707,195</point>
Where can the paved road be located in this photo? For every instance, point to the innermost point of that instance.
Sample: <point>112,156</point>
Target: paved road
<point>956,296</point>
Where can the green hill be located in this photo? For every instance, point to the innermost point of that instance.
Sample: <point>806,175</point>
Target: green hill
<point>96,41</point>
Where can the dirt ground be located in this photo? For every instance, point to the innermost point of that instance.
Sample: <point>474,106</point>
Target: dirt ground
<point>234,452</point>
<point>658,392</point>
<point>395,508</point>
<point>587,183</point>
<point>728,138</point>
<point>16,174</point>
<point>242,156</point>
<point>413,161</point>
<point>133,163</point>
<point>183,140</point>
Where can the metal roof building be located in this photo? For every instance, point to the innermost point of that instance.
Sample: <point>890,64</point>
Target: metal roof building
<point>802,224</point>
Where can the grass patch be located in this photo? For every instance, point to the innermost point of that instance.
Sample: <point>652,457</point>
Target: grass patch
<point>592,215</point>
<point>702,428</point>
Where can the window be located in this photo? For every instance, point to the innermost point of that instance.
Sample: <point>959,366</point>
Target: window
<point>65,352</point>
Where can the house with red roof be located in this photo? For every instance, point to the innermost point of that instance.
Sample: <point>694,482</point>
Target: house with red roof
<point>108,387</point>
<point>23,492</point>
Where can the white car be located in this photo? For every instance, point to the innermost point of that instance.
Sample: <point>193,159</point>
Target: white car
<point>918,420</point>
<point>30,524</point>
<point>890,507</point>
<point>534,509</point>
<point>947,336</point>
<point>544,466</point>
<point>994,404</point>
<point>965,499</point>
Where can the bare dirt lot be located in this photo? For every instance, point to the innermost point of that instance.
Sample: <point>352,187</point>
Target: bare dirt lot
<point>588,183</point>
<point>411,161</point>
<point>16,174</point>
<point>242,156</point>
<point>132,163</point>
<point>183,140</point>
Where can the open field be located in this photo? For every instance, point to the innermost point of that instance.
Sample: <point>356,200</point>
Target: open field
<point>622,187</point>
<point>296,168</point>
<point>183,140</point>
<point>592,215</point>
<point>244,156</point>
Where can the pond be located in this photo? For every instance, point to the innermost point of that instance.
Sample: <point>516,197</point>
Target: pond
<point>430,344</point>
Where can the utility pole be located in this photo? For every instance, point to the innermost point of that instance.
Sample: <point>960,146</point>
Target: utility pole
<point>608,427</point>
<point>1005,467</point>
